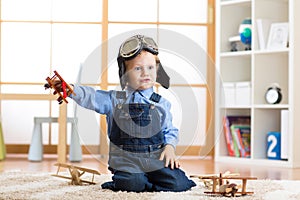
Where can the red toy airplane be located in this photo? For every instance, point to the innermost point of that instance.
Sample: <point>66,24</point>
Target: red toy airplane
<point>66,89</point>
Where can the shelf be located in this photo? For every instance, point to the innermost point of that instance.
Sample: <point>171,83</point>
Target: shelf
<point>235,2</point>
<point>237,107</point>
<point>236,53</point>
<point>257,162</point>
<point>267,51</point>
<point>267,106</point>
<point>262,68</point>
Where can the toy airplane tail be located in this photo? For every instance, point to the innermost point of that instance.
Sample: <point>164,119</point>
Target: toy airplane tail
<point>2,145</point>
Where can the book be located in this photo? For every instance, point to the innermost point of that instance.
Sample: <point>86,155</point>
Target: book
<point>263,29</point>
<point>228,137</point>
<point>239,120</point>
<point>246,138</point>
<point>243,134</point>
<point>236,142</point>
<point>237,132</point>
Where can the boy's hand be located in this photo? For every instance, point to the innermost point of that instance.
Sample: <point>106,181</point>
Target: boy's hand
<point>169,156</point>
<point>58,85</point>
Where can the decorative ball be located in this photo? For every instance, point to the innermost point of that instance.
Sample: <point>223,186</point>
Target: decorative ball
<point>246,36</point>
<point>245,31</point>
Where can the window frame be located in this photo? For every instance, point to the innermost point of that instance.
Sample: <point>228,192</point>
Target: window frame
<point>104,84</point>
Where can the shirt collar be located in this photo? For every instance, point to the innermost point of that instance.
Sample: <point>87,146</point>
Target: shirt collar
<point>145,93</point>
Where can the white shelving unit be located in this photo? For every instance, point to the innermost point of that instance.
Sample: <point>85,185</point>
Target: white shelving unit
<point>261,68</point>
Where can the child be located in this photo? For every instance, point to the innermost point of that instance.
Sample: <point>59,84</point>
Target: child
<point>142,136</point>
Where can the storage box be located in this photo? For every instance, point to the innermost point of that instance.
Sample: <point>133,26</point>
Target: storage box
<point>243,93</point>
<point>273,145</point>
<point>229,90</point>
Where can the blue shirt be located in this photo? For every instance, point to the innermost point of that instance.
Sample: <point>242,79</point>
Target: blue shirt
<point>104,102</point>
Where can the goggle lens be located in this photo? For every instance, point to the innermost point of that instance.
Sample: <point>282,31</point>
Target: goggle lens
<point>129,47</point>
<point>150,42</point>
<point>136,43</point>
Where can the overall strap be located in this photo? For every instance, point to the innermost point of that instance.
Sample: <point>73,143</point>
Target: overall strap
<point>155,97</point>
<point>121,95</point>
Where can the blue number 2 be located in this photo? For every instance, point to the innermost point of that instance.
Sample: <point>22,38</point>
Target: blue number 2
<point>273,140</point>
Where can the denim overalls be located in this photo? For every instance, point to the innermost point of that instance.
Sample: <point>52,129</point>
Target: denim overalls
<point>136,143</point>
<point>136,137</point>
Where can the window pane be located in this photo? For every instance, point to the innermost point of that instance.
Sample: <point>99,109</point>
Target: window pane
<point>180,70</point>
<point>25,52</point>
<point>120,30</point>
<point>25,89</point>
<point>88,126</point>
<point>113,73</point>
<point>197,34</point>
<point>18,119</point>
<point>183,11</point>
<point>132,10</point>
<point>77,10</point>
<point>88,131</point>
<point>72,44</point>
<point>26,10</point>
<point>55,106</point>
<point>182,54</point>
<point>189,113</point>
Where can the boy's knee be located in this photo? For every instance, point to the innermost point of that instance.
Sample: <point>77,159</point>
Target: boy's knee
<point>174,180</point>
<point>131,182</point>
<point>185,185</point>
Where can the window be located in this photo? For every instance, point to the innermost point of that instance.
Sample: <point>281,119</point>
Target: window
<point>69,35</point>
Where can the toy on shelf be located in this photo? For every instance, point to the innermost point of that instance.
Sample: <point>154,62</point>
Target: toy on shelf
<point>76,173</point>
<point>245,35</point>
<point>219,184</point>
<point>65,91</point>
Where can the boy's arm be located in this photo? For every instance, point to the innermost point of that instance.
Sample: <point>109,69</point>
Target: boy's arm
<point>88,97</point>
<point>171,138</point>
<point>169,130</point>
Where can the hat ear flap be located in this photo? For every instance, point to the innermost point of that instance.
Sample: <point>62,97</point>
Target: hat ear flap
<point>122,70</point>
<point>162,77</point>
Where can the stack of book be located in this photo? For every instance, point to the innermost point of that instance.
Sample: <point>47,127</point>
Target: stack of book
<point>237,130</point>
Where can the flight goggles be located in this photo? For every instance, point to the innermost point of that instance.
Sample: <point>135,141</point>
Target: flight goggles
<point>134,45</point>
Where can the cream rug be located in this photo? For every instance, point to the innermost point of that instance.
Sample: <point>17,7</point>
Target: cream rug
<point>25,185</point>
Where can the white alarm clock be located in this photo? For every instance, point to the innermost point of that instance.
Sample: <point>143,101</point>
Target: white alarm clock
<point>273,94</point>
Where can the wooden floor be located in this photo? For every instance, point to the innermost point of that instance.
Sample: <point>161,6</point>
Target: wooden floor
<point>191,165</point>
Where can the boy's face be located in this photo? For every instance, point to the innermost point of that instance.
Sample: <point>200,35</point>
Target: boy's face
<point>141,71</point>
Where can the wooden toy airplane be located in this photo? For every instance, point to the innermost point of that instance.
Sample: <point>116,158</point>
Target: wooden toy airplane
<point>75,174</point>
<point>66,89</point>
<point>227,189</point>
<point>205,178</point>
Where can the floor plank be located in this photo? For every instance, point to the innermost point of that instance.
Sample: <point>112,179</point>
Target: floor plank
<point>191,165</point>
